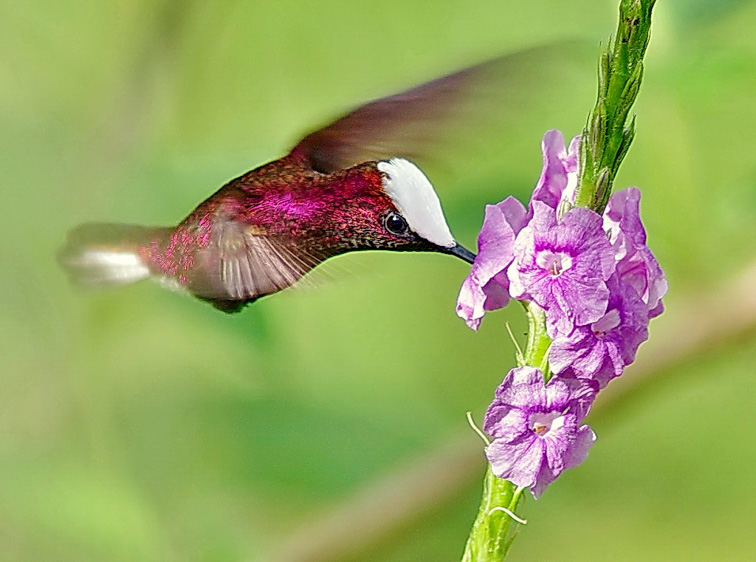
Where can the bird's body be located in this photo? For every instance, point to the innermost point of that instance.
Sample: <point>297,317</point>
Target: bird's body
<point>261,232</point>
<point>345,187</point>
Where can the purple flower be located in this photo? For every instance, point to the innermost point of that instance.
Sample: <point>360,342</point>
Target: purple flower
<point>536,427</point>
<point>559,175</point>
<point>636,265</point>
<point>600,351</point>
<point>487,285</point>
<point>563,266</point>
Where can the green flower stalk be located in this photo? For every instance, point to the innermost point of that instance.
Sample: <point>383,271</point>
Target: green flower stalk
<point>493,531</point>
<point>608,134</point>
<point>576,259</point>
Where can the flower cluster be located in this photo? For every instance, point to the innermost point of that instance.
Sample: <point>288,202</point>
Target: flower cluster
<point>598,285</point>
<point>536,427</point>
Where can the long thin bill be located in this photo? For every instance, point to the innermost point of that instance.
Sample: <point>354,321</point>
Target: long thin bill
<point>461,252</point>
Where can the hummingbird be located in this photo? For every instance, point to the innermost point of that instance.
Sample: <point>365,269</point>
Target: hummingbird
<point>351,185</point>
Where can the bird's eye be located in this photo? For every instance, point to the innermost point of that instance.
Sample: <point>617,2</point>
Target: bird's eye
<point>396,224</point>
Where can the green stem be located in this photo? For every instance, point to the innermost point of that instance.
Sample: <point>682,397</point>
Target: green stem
<point>537,349</point>
<point>494,530</point>
<point>609,131</point>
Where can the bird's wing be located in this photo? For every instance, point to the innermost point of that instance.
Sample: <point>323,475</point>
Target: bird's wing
<point>239,266</point>
<point>451,110</point>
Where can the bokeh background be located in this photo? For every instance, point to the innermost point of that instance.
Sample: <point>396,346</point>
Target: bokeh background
<point>329,423</point>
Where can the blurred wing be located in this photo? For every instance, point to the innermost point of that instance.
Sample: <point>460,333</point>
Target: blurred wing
<point>240,266</point>
<point>453,110</point>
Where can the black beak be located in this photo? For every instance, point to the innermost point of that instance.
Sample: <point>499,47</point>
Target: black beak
<point>461,252</point>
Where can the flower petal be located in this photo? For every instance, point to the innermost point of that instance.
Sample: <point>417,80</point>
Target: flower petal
<point>544,477</point>
<point>636,264</point>
<point>519,462</point>
<point>559,175</point>
<point>486,287</point>
<point>523,388</point>
<point>584,440</point>
<point>506,423</point>
<point>471,302</point>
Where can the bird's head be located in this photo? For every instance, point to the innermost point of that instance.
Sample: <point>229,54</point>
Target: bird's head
<point>391,205</point>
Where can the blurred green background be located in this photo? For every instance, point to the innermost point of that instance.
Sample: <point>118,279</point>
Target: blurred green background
<point>142,425</point>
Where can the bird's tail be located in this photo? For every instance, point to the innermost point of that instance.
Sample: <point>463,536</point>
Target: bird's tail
<point>104,255</point>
